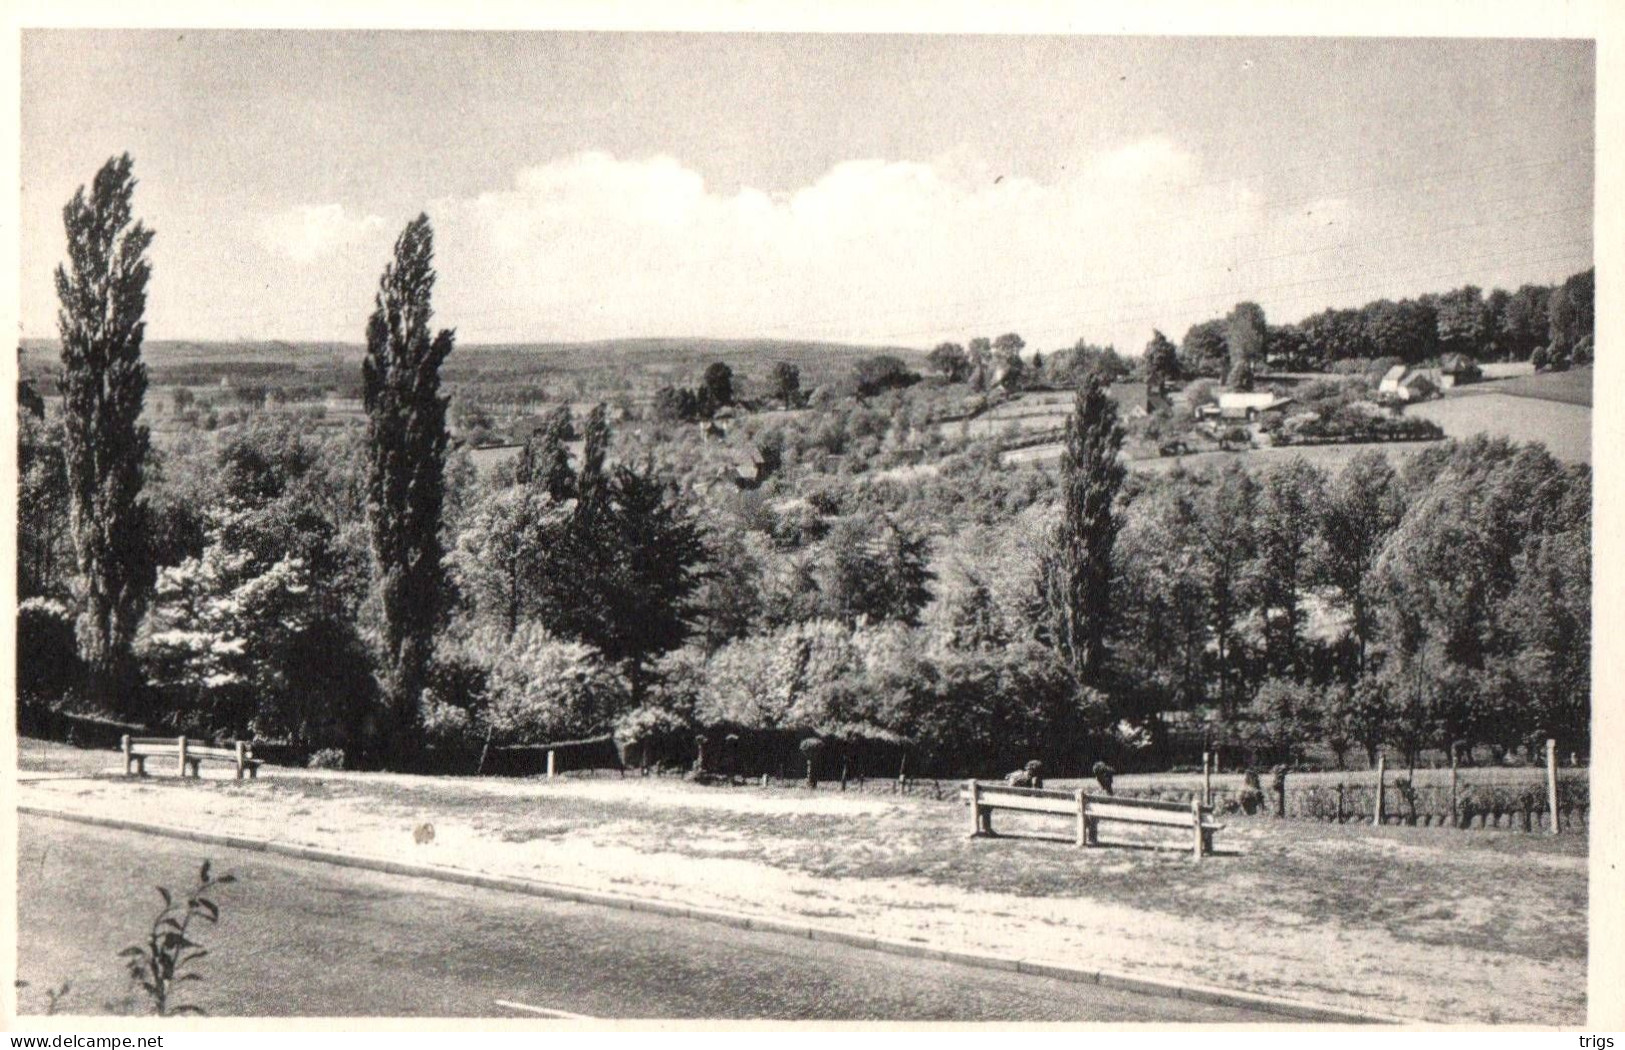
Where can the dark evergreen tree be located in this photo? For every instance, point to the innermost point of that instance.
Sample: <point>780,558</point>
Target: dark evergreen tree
<point>717,387</point>
<point>103,290</point>
<point>407,439</point>
<point>1078,564</point>
<point>594,451</point>
<point>786,384</point>
<point>545,459</point>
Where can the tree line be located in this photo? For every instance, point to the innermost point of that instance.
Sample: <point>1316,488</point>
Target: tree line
<point>1554,325</point>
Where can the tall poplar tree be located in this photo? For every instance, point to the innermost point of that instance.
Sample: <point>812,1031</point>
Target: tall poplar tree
<point>103,291</point>
<point>1078,565</point>
<point>407,438</point>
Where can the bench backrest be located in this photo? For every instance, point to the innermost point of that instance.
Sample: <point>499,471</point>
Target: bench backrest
<point>1146,803</point>
<point>1106,807</point>
<point>168,745</point>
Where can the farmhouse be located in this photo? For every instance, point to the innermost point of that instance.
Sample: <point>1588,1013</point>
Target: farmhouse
<point>1403,383</point>
<point>1456,369</point>
<point>1249,406</point>
<point>1134,400</point>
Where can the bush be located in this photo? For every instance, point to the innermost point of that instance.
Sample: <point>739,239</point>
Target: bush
<point>445,723</point>
<point>327,758</point>
<point>48,664</point>
<point>1347,426</point>
<point>647,736</point>
<point>539,688</point>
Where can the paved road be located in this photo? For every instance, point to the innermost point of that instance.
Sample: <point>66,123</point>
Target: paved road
<point>305,939</point>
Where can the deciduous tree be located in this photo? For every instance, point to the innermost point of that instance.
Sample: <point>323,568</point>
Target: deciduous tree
<point>1078,564</point>
<point>406,427</point>
<point>103,292</point>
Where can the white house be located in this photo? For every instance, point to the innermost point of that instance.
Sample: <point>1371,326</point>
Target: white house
<point>1401,383</point>
<point>1249,406</point>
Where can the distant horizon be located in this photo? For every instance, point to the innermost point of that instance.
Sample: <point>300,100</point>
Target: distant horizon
<point>872,190</point>
<point>462,344</point>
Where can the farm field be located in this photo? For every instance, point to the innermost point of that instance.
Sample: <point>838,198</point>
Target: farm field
<point>1499,935</point>
<point>1572,387</point>
<point>1564,428</point>
<point>1330,457</point>
<point>1507,369</point>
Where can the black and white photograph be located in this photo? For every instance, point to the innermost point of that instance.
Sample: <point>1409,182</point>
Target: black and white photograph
<point>613,524</point>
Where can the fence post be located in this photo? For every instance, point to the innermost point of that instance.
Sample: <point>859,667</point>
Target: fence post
<point>1551,780</point>
<point>1082,837</point>
<point>975,790</point>
<point>1196,823</point>
<point>1340,802</point>
<point>1455,813</point>
<point>550,763</point>
<point>124,745</point>
<point>1378,814</point>
<point>241,757</point>
<point>1207,778</point>
<point>180,743</point>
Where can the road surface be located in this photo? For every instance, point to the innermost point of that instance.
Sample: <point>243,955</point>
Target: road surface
<point>304,939</point>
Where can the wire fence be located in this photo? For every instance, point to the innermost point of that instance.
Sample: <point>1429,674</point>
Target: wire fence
<point>1508,807</point>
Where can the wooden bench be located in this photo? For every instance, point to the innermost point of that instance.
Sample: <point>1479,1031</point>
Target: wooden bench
<point>188,754</point>
<point>1087,811</point>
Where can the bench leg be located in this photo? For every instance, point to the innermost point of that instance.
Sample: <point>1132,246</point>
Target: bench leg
<point>1091,833</point>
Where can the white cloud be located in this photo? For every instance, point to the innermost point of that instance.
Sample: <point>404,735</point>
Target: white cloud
<point>305,233</point>
<point>892,251</point>
<point>906,252</point>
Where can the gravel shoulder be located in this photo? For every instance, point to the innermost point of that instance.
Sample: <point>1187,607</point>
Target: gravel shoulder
<point>1435,924</point>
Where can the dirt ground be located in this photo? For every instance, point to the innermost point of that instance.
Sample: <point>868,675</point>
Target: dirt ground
<point>1435,924</point>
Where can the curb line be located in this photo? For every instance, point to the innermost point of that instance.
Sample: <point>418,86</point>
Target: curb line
<point>1286,1008</point>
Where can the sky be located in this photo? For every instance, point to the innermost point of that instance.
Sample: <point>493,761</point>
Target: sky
<point>899,190</point>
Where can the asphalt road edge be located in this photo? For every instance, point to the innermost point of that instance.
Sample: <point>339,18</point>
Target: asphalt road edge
<point>1286,1008</point>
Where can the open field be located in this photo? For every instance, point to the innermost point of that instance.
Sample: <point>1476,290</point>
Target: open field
<point>1572,387</point>
<point>1462,926</point>
<point>1330,457</point>
<point>1564,428</point>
